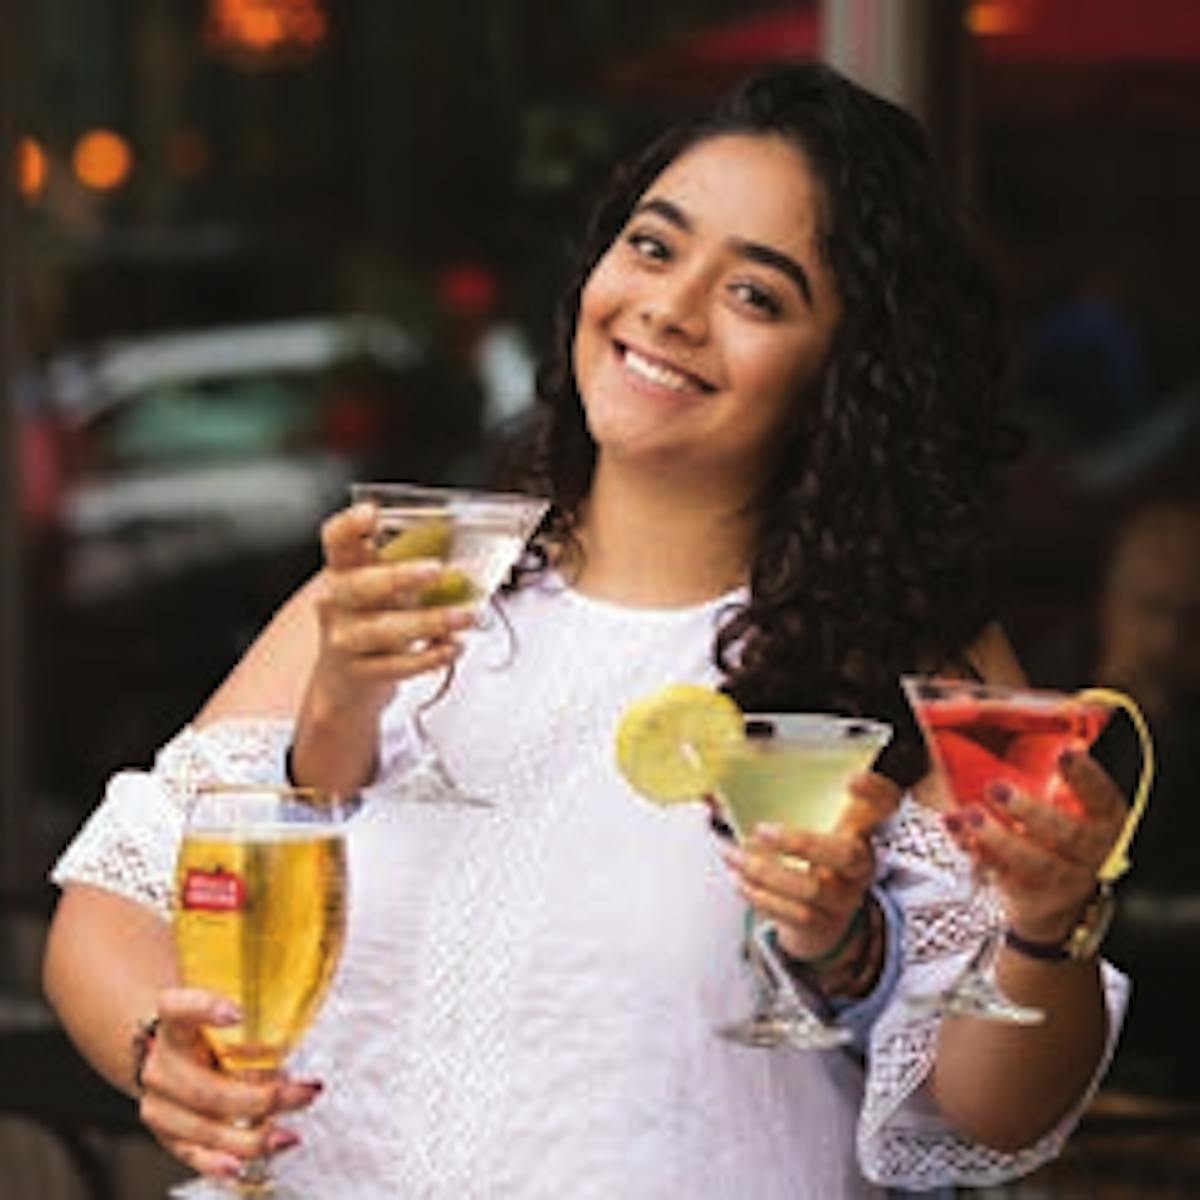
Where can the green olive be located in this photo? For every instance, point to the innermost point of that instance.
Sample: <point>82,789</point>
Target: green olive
<point>427,539</point>
<point>454,586</point>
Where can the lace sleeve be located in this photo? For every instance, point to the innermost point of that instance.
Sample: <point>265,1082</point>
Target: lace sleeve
<point>902,1141</point>
<point>128,844</point>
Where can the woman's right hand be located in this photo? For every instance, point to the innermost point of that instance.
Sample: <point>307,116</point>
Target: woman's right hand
<point>207,1119</point>
<point>374,631</point>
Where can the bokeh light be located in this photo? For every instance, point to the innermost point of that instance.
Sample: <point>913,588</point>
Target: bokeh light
<point>33,169</point>
<point>266,27</point>
<point>102,160</point>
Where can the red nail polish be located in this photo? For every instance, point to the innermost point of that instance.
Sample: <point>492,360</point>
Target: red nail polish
<point>1000,792</point>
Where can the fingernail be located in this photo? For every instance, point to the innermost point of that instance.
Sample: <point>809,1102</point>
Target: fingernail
<point>953,822</point>
<point>734,857</point>
<point>768,830</point>
<point>226,1013</point>
<point>228,1167</point>
<point>974,817</point>
<point>282,1139</point>
<point>315,1086</point>
<point>1000,792</point>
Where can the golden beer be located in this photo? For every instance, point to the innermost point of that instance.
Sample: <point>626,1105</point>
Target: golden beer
<point>260,917</point>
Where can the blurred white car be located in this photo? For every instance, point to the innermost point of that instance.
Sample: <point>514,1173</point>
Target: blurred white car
<point>193,447</point>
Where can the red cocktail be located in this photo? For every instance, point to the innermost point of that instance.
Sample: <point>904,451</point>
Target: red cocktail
<point>980,735</point>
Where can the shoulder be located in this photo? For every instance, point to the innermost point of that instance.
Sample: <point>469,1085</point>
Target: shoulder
<point>993,658</point>
<point>270,678</point>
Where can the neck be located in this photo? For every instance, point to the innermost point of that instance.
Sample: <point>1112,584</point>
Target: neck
<point>648,541</point>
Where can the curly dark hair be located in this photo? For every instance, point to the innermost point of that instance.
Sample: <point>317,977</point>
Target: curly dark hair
<point>875,523</point>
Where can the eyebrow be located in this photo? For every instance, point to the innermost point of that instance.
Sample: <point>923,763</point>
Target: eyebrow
<point>754,251</point>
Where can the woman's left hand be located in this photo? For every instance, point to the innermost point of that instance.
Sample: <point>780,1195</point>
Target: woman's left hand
<point>1043,857</point>
<point>813,897</point>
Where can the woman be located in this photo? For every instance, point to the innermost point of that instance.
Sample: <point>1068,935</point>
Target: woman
<point>769,434</point>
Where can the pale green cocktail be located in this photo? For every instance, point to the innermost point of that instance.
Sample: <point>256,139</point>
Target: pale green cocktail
<point>793,770</point>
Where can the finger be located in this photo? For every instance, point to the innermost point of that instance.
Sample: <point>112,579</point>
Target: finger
<point>345,537</point>
<point>398,631</point>
<point>1021,860</point>
<point>846,854</point>
<point>239,1139</point>
<point>182,1012</point>
<point>201,1159</point>
<point>778,886</point>
<point>176,1079</point>
<point>1081,840</point>
<point>405,664</point>
<point>1092,785</point>
<point>765,872</point>
<point>383,585</point>
<point>803,917</point>
<point>875,799</point>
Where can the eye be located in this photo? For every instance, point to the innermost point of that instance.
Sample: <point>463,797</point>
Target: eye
<point>754,296</point>
<point>648,245</point>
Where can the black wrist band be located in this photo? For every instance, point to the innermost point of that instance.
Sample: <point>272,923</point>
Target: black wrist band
<point>289,765</point>
<point>143,1040</point>
<point>1042,951</point>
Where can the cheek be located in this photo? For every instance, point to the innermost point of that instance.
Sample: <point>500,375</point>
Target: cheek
<point>780,379</point>
<point>599,304</point>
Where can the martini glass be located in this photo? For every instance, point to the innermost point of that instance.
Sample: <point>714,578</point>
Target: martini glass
<point>979,733</point>
<point>792,769</point>
<point>477,535</point>
<point>260,917</point>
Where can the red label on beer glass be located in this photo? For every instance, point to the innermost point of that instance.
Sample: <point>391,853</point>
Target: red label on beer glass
<point>213,891</point>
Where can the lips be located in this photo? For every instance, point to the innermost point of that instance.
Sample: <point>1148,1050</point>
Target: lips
<point>660,373</point>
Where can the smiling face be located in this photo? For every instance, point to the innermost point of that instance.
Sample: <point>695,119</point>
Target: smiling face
<point>711,314</point>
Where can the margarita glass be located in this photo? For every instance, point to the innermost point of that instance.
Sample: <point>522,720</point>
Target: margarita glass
<point>793,770</point>
<point>477,535</point>
<point>260,918</point>
<point>980,733</point>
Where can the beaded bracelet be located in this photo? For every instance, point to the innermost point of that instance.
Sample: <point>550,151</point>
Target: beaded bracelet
<point>854,927</point>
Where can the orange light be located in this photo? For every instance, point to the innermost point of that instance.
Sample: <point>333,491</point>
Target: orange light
<point>32,168</point>
<point>266,27</point>
<point>994,18</point>
<point>102,160</point>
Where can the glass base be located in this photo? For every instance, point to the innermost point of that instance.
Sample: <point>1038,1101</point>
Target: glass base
<point>431,783</point>
<point>204,1187</point>
<point>976,995</point>
<point>785,1027</point>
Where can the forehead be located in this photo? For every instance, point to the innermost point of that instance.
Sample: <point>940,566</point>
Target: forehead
<point>759,187</point>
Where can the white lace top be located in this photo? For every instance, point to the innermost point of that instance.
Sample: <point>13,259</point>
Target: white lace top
<point>526,1004</point>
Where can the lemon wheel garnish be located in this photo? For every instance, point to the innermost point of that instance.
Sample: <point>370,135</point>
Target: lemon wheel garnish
<point>1117,862</point>
<point>667,742</point>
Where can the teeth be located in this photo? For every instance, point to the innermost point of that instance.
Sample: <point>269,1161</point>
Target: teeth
<point>656,372</point>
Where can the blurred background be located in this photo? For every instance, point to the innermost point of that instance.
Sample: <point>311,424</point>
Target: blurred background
<point>250,249</point>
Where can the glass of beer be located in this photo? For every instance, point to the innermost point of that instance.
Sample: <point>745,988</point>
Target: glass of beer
<point>260,917</point>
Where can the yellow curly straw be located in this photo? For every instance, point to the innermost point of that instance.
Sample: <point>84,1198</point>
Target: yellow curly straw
<point>1117,862</point>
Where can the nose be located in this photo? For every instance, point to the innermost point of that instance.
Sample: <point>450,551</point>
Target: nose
<point>676,307</point>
